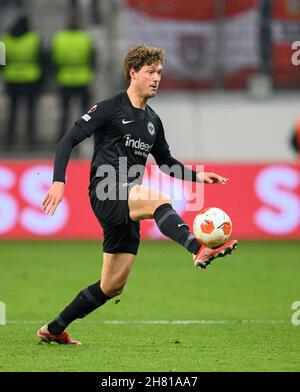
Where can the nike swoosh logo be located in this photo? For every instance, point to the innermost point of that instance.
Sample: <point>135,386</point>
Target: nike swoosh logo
<point>181,224</point>
<point>126,122</point>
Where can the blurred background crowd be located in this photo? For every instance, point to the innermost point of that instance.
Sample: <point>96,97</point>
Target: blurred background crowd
<point>229,73</point>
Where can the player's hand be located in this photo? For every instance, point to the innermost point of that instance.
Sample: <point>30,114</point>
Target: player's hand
<point>53,197</point>
<point>212,178</point>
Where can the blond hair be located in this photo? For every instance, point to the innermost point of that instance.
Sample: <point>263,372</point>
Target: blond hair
<point>139,55</point>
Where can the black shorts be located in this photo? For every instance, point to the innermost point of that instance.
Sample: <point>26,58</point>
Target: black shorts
<point>120,233</point>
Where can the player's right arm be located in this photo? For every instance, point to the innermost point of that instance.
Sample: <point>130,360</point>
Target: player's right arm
<point>83,128</point>
<point>62,156</point>
<point>53,197</point>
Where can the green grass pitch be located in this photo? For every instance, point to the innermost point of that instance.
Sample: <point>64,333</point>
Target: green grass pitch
<point>245,299</point>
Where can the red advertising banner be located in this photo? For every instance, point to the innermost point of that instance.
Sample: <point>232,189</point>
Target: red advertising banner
<point>262,200</point>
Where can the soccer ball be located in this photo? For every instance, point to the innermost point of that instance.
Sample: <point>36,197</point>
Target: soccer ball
<point>212,226</point>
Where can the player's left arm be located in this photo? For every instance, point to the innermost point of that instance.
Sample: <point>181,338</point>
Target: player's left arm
<point>165,161</point>
<point>211,178</point>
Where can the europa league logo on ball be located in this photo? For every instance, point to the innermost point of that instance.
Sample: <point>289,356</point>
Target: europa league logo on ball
<point>2,53</point>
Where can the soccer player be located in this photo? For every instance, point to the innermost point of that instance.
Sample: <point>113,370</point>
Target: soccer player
<point>125,131</point>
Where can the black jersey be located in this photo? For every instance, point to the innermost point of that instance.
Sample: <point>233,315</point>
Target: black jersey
<point>124,136</point>
<point>123,131</point>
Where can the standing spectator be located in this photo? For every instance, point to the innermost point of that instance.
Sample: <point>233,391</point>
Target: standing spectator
<point>22,76</point>
<point>73,56</point>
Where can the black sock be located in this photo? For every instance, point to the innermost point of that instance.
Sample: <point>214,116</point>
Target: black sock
<point>172,226</point>
<point>84,303</point>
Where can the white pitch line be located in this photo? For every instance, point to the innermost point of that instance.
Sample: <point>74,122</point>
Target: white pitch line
<point>160,322</point>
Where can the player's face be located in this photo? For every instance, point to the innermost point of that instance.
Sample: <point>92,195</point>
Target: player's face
<point>147,79</point>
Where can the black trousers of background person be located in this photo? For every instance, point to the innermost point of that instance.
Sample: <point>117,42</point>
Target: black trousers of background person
<point>67,94</point>
<point>28,93</point>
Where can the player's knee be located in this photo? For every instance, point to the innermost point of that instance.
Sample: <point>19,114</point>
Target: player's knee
<point>148,208</point>
<point>162,199</point>
<point>154,204</point>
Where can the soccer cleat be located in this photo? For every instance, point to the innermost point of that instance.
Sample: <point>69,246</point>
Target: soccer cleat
<point>45,336</point>
<point>205,255</point>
